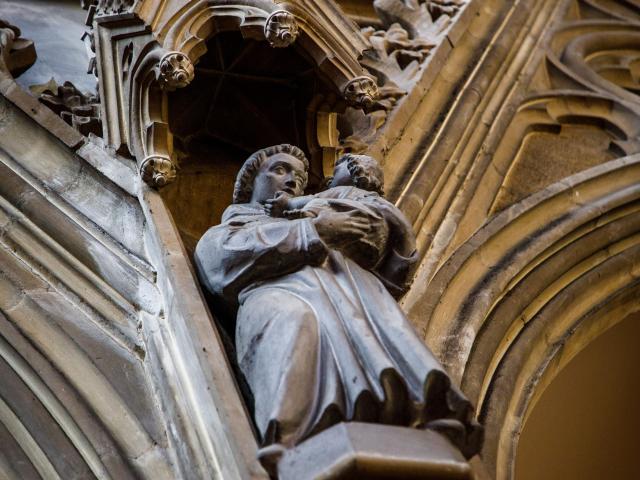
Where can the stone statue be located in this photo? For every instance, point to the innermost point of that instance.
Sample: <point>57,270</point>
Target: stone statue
<point>319,338</point>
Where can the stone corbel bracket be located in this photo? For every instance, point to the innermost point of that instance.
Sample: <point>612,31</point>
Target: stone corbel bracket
<point>158,170</point>
<point>175,70</point>
<point>152,50</point>
<point>281,29</point>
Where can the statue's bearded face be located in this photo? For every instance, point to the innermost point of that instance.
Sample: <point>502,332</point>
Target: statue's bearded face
<point>280,172</point>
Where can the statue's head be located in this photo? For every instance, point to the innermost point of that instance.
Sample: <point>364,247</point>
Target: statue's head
<point>361,171</point>
<point>270,170</point>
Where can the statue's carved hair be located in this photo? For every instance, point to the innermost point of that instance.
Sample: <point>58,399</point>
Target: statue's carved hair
<point>365,172</point>
<point>243,187</point>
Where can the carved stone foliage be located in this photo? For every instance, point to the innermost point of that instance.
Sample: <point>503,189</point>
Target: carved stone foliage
<point>107,7</point>
<point>412,29</point>
<point>422,19</point>
<point>395,61</point>
<point>438,8</point>
<point>397,55</point>
<point>397,52</point>
<point>358,129</point>
<point>80,110</point>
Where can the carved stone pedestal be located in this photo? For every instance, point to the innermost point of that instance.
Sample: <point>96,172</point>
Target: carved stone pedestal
<point>369,451</point>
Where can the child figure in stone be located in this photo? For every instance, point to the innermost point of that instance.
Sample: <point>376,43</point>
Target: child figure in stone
<point>358,184</point>
<point>319,339</point>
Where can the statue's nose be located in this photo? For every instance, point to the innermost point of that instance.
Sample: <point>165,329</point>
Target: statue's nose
<point>291,182</point>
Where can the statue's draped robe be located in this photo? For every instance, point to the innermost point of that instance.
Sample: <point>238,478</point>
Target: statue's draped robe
<point>318,338</point>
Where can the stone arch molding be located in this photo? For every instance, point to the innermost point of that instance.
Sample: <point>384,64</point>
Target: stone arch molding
<point>578,75</point>
<point>530,289</point>
<point>74,396</point>
<point>167,40</point>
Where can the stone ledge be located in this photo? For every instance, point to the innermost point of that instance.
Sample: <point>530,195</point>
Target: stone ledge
<point>40,113</point>
<point>370,451</point>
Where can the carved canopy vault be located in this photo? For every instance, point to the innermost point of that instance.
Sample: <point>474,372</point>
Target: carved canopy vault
<point>157,49</point>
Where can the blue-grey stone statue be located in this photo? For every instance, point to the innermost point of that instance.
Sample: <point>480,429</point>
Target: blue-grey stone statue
<point>319,337</point>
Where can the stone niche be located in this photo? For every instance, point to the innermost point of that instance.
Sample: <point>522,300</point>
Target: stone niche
<point>245,95</point>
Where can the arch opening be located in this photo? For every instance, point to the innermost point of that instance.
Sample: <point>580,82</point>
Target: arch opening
<point>584,424</point>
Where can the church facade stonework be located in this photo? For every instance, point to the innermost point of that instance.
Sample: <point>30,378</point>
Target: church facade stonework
<point>307,238</point>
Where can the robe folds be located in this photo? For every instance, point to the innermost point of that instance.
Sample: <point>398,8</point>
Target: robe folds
<point>319,339</point>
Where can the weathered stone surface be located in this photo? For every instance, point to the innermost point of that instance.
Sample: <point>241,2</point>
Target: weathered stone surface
<point>482,106</point>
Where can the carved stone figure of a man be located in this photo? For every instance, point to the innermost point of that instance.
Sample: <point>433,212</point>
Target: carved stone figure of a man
<point>319,338</point>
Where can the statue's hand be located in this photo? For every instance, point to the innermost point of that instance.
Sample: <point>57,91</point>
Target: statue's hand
<point>276,206</point>
<point>337,229</point>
